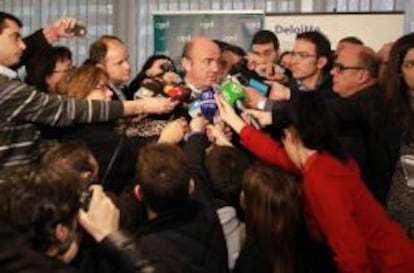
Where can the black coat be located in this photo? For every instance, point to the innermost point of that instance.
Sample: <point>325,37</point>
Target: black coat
<point>103,140</point>
<point>368,136</point>
<point>189,238</point>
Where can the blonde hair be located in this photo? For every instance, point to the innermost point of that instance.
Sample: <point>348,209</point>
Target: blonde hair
<point>80,82</point>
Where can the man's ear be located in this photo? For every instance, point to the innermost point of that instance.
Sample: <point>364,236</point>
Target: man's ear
<point>138,193</point>
<point>322,61</point>
<point>186,63</point>
<point>191,187</point>
<point>101,65</point>
<point>61,232</point>
<point>363,76</point>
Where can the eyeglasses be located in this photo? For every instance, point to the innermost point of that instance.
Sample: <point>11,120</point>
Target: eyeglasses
<point>341,68</point>
<point>301,55</point>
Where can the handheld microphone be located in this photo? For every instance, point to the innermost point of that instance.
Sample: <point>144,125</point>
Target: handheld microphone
<point>249,77</point>
<point>177,92</point>
<point>194,108</point>
<point>208,105</point>
<point>149,89</point>
<point>234,94</point>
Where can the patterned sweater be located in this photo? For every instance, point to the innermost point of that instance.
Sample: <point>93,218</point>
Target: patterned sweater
<point>22,109</point>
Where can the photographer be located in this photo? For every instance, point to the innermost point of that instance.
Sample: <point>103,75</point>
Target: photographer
<point>45,209</point>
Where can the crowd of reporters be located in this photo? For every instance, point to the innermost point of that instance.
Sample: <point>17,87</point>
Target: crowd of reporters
<point>223,161</point>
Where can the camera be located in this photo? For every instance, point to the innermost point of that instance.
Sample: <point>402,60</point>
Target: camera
<point>78,30</point>
<point>249,77</point>
<point>168,67</point>
<point>85,199</point>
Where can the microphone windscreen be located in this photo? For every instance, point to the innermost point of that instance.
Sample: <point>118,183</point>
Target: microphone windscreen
<point>208,105</point>
<point>232,91</point>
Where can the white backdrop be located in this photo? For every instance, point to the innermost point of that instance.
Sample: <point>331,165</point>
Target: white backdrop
<point>374,29</point>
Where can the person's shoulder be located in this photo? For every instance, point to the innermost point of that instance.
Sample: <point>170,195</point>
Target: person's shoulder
<point>326,168</point>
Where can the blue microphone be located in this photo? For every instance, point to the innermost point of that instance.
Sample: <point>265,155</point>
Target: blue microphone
<point>208,105</point>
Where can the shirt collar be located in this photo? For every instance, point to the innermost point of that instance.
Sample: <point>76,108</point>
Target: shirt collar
<point>195,92</point>
<point>5,71</point>
<point>118,91</point>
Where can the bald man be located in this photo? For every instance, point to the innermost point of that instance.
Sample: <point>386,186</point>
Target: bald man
<point>200,61</point>
<point>361,119</point>
<point>112,55</point>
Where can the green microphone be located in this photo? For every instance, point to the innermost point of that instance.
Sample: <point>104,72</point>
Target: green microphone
<point>233,93</point>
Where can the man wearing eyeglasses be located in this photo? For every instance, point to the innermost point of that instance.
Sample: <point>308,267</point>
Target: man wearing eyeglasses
<point>24,108</point>
<point>361,118</point>
<point>311,58</point>
<point>310,64</point>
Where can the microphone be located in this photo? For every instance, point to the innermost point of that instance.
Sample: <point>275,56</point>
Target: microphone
<point>249,77</point>
<point>177,92</point>
<point>208,105</point>
<point>149,89</point>
<point>194,108</point>
<point>234,94</point>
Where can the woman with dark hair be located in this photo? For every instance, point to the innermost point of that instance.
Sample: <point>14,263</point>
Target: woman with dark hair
<point>157,74</point>
<point>48,67</point>
<point>399,94</point>
<point>44,70</point>
<point>152,68</point>
<point>273,203</point>
<point>340,209</point>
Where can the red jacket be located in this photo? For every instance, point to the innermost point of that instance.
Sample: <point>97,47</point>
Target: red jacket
<point>342,211</point>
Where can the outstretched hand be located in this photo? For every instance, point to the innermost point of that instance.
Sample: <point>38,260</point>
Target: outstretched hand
<point>174,132</point>
<point>102,216</point>
<point>264,118</point>
<point>216,135</point>
<point>228,114</point>
<point>59,29</point>
<point>158,105</point>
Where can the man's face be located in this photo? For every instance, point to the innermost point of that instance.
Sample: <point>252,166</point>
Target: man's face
<point>117,63</point>
<point>346,72</point>
<point>266,51</point>
<point>202,66</point>
<point>11,44</point>
<point>304,63</point>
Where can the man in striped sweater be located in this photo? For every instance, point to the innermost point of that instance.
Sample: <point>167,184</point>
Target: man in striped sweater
<point>22,108</point>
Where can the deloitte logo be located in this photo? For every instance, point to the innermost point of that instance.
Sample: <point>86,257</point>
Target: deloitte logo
<point>162,25</point>
<point>294,29</point>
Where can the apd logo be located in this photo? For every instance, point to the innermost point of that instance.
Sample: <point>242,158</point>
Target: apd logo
<point>231,38</point>
<point>162,25</point>
<point>183,38</point>
<point>207,24</point>
<point>253,26</point>
<point>163,52</point>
